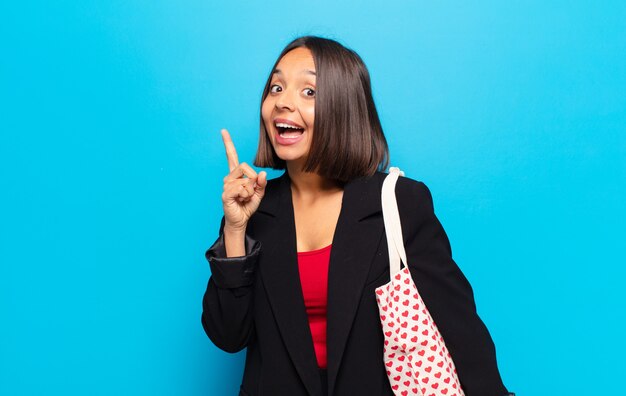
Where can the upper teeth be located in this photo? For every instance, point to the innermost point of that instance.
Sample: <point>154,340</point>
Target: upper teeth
<point>283,125</point>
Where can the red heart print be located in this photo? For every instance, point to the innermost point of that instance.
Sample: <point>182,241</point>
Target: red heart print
<point>389,363</point>
<point>414,339</point>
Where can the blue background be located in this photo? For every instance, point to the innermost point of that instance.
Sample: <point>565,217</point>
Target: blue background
<point>111,164</point>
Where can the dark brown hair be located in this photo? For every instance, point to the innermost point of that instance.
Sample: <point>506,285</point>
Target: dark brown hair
<point>348,140</point>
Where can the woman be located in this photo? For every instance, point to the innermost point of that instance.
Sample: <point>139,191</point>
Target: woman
<point>298,257</point>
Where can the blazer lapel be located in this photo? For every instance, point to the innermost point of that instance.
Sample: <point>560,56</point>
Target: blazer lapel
<point>354,244</point>
<point>281,278</point>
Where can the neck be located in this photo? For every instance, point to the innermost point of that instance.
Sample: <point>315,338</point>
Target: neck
<point>309,184</point>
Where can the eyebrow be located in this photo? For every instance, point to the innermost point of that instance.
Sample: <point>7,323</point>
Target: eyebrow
<point>277,71</point>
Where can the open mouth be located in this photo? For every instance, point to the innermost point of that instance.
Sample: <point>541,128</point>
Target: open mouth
<point>288,131</point>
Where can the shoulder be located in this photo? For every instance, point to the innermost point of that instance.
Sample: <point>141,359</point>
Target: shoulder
<point>273,187</point>
<point>274,183</point>
<point>408,188</point>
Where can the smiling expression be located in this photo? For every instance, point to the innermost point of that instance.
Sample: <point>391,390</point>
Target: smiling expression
<point>288,110</point>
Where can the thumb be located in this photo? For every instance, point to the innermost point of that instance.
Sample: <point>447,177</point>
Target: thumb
<point>261,182</point>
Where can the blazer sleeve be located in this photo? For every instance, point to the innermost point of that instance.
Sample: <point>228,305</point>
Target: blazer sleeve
<point>227,302</point>
<point>446,292</point>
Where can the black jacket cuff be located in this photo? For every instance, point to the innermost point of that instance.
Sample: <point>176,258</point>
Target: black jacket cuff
<point>233,272</point>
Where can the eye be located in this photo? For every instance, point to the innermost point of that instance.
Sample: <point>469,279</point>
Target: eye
<point>275,88</point>
<point>309,92</point>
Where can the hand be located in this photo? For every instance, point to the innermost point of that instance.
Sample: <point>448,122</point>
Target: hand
<point>243,189</point>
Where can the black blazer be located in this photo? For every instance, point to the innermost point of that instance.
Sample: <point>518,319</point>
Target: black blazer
<point>256,301</point>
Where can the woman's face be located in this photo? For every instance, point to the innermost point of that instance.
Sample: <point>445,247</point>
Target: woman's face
<point>288,111</point>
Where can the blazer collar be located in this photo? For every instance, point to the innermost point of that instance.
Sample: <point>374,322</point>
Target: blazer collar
<point>363,194</point>
<point>355,242</point>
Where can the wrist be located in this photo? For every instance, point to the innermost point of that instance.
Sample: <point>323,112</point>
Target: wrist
<point>234,230</point>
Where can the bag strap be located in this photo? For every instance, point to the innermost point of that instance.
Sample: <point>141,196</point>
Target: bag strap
<point>391,219</point>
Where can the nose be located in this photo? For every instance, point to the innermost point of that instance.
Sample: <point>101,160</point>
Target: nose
<point>285,100</point>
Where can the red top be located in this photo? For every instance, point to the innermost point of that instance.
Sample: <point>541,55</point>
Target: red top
<point>313,266</point>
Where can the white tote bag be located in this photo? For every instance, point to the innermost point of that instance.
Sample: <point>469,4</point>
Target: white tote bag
<point>416,357</point>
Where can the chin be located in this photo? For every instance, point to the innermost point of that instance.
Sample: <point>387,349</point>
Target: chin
<point>289,155</point>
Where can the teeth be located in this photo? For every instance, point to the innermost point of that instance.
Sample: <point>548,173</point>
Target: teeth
<point>283,125</point>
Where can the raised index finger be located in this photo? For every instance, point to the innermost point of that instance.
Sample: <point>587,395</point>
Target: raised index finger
<point>231,153</point>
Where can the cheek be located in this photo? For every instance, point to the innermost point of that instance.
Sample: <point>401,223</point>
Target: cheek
<point>266,115</point>
<point>308,113</point>
<point>266,110</point>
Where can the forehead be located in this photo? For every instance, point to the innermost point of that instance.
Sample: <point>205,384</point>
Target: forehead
<point>298,60</point>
